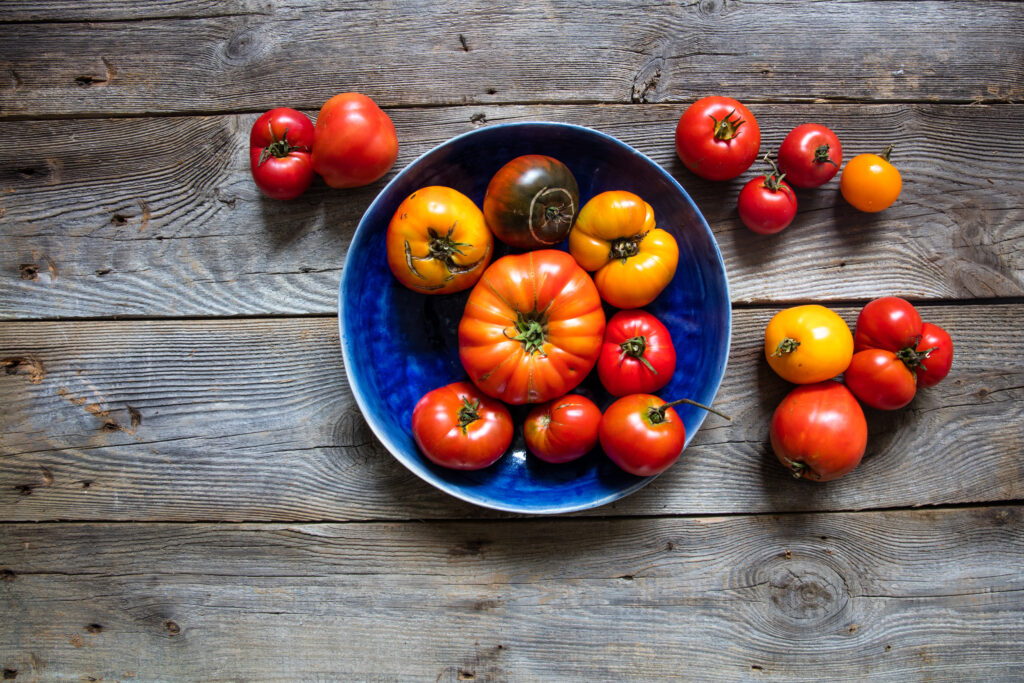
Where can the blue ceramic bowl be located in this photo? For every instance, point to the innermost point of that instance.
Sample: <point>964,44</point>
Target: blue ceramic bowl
<point>398,344</point>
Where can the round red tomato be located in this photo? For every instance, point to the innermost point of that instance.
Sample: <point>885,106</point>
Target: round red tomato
<point>717,138</point>
<point>531,202</point>
<point>637,356</point>
<point>457,426</point>
<point>642,434</point>
<point>937,347</point>
<point>767,204</point>
<point>889,323</point>
<point>881,379</point>
<point>532,327</point>
<point>355,141</point>
<point>279,153</point>
<point>810,156</point>
<point>819,431</point>
<point>563,429</point>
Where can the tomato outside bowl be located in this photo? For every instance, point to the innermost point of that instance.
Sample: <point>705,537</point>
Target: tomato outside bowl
<point>398,344</point>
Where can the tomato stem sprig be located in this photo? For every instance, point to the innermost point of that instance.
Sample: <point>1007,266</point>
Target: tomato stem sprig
<point>727,128</point>
<point>887,152</point>
<point>657,414</point>
<point>787,345</point>
<point>468,413</point>
<point>821,155</point>
<point>773,179</point>
<point>625,247</point>
<point>635,347</point>
<point>532,332</point>
<point>279,148</point>
<point>913,358</point>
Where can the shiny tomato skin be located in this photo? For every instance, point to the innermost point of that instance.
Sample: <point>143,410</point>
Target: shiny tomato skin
<point>531,202</point>
<point>934,368</point>
<point>562,430</point>
<point>712,150</point>
<point>870,183</point>
<point>880,379</point>
<point>808,344</point>
<point>766,210</point>
<point>631,338</point>
<point>637,443</point>
<point>810,156</point>
<point>355,143</point>
<point>819,431</point>
<point>279,153</point>
<point>441,436</point>
<point>889,323</point>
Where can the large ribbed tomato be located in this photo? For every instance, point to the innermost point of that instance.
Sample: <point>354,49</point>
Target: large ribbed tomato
<point>532,327</point>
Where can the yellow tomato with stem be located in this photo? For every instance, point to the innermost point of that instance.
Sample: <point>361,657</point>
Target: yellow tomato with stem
<point>808,344</point>
<point>870,183</point>
<point>615,238</point>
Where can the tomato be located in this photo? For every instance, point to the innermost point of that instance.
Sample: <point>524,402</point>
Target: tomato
<point>717,138</point>
<point>936,364</point>
<point>810,156</point>
<point>531,202</point>
<point>437,242</point>
<point>532,327</point>
<point>457,426</point>
<point>819,431</point>
<point>616,236</point>
<point>767,204</point>
<point>881,379</point>
<point>355,141</point>
<point>279,153</point>
<point>637,356</point>
<point>889,323</point>
<point>870,183</point>
<point>808,344</point>
<point>563,429</point>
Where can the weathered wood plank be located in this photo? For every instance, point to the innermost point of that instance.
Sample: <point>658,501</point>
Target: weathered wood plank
<point>159,217</point>
<point>253,420</point>
<point>471,52</point>
<point>100,10</point>
<point>856,596</point>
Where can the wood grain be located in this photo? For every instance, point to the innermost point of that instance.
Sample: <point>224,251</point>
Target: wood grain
<point>253,420</point>
<point>865,596</point>
<point>422,53</point>
<point>170,223</point>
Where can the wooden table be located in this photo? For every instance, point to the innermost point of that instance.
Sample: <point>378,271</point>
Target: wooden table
<point>189,492</point>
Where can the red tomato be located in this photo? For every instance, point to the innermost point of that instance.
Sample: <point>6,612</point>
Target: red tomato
<point>810,156</point>
<point>637,356</point>
<point>279,153</point>
<point>889,323</point>
<point>819,431</point>
<point>563,429</point>
<point>717,138</point>
<point>355,141</point>
<point>767,204</point>
<point>881,379</point>
<point>938,347</point>
<point>458,426</point>
<point>642,434</point>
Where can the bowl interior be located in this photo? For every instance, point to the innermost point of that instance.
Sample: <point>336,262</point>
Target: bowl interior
<point>398,344</point>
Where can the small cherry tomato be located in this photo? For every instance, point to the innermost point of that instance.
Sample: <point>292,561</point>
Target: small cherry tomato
<point>810,156</point>
<point>355,141</point>
<point>279,153</point>
<point>808,344</point>
<point>767,204</point>
<point>870,183</point>
<point>563,429</point>
<point>881,379</point>
<point>637,356</point>
<point>889,323</point>
<point>937,346</point>
<point>531,202</point>
<point>458,426</point>
<point>717,138</point>
<point>819,431</point>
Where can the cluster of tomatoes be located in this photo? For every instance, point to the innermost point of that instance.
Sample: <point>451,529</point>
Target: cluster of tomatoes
<point>353,144</point>
<point>718,139</point>
<point>534,324</point>
<point>819,430</point>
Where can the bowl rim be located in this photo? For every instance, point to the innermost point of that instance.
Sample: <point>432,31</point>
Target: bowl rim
<point>357,393</point>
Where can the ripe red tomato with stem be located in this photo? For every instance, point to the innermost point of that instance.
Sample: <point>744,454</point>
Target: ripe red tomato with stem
<point>355,142</point>
<point>937,346</point>
<point>767,204</point>
<point>460,427</point>
<point>717,138</point>
<point>637,355</point>
<point>563,429</point>
<point>881,379</point>
<point>889,323</point>
<point>643,434</point>
<point>280,143</point>
<point>810,155</point>
<point>819,431</point>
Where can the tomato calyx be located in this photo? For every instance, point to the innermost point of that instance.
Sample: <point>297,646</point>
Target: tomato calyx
<point>773,179</point>
<point>468,413</point>
<point>821,155</point>
<point>656,414</point>
<point>532,332</point>
<point>913,358</point>
<point>634,347</point>
<point>887,152</point>
<point>625,247</point>
<point>279,148</point>
<point>799,468</point>
<point>727,128</point>
<point>787,345</point>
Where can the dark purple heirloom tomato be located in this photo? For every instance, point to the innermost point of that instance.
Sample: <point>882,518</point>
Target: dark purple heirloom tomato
<point>531,202</point>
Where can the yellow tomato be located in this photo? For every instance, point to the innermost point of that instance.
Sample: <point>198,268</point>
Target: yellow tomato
<point>870,183</point>
<point>615,238</point>
<point>438,242</point>
<point>807,344</point>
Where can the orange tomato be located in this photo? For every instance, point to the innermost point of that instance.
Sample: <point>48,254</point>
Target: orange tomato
<point>808,344</point>
<point>437,241</point>
<point>615,237</point>
<point>870,183</point>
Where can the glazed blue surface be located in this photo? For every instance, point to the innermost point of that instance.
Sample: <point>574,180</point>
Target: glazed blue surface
<point>398,344</point>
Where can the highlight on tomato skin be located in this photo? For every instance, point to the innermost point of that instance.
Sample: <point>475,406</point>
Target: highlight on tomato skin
<point>563,429</point>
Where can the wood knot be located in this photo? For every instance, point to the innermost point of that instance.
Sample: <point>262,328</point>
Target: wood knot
<point>172,627</point>
<point>245,46</point>
<point>806,592</point>
<point>28,271</point>
<point>7,575</point>
<point>94,628</point>
<point>10,674</point>
<point>24,365</point>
